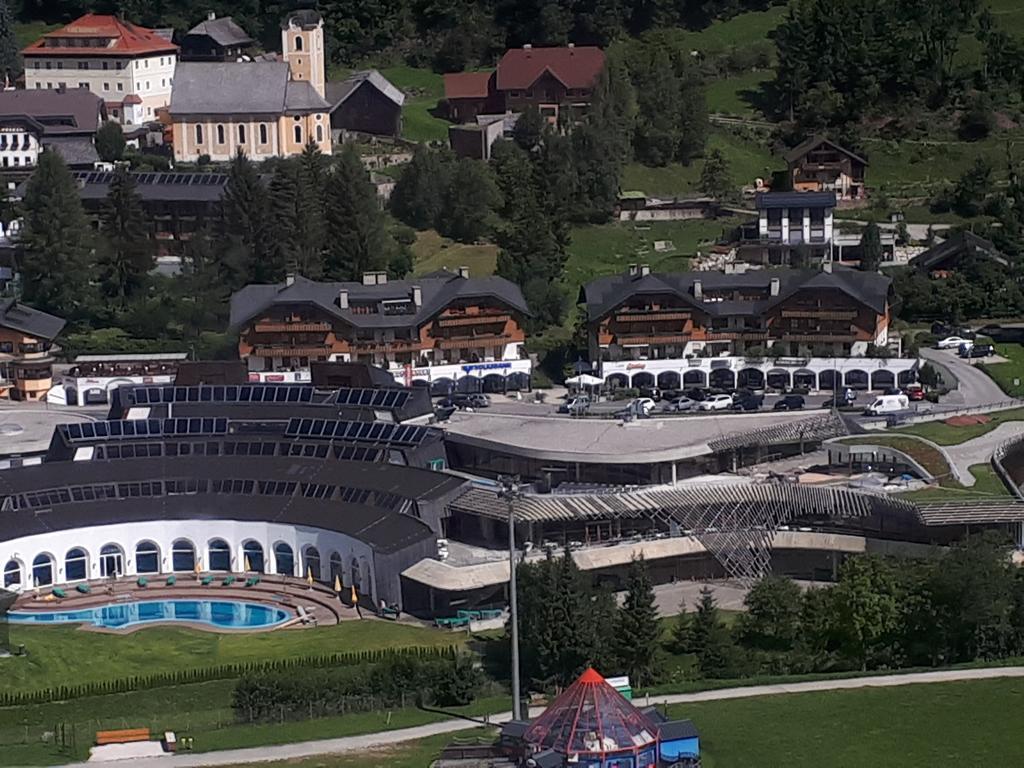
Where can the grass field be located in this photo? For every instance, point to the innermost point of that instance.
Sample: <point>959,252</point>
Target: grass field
<point>742,30</point>
<point>917,726</point>
<point>26,33</point>
<point>947,434</point>
<point>987,485</point>
<point>925,455</point>
<point>1005,374</point>
<point>730,95</point>
<point>432,252</point>
<point>65,655</point>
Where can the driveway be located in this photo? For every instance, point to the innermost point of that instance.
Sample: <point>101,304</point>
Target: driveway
<point>976,388</point>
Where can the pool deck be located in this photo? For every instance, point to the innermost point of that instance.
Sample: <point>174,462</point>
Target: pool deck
<point>319,601</point>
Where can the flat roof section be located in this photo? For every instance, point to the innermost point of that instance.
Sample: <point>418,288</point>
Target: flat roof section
<point>27,431</point>
<point>608,441</point>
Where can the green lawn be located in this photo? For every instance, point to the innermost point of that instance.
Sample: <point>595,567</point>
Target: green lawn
<point>423,88</point>
<point>742,30</point>
<point>26,33</point>
<point>432,252</point>
<point>67,656</point>
<point>929,458</point>
<point>747,161</point>
<point>728,95</point>
<point>947,434</point>
<point>1008,375</point>
<point>987,485</point>
<point>916,726</point>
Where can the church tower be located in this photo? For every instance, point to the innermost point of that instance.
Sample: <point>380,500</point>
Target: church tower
<point>302,44</point>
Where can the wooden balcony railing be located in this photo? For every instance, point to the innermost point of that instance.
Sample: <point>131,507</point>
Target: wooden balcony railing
<point>480,319</point>
<point>292,327</point>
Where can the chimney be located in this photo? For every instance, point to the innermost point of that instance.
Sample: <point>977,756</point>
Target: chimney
<point>382,278</point>
<point>289,279</point>
<point>211,15</point>
<point>632,270</point>
<point>527,46</point>
<point>571,47</point>
<point>773,286</point>
<point>645,270</point>
<point>826,266</point>
<point>417,296</point>
<point>698,290</point>
<point>343,298</point>
<point>464,272</point>
<point>369,278</point>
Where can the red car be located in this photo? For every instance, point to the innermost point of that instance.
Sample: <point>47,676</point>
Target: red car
<point>915,392</point>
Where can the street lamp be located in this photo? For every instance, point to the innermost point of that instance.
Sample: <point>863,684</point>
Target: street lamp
<point>510,492</point>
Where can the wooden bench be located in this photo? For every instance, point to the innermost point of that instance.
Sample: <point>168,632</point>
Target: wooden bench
<point>123,736</point>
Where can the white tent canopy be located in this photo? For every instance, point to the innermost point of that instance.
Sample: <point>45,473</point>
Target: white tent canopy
<point>585,380</point>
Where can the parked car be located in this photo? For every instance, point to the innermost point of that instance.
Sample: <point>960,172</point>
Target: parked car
<point>715,403</point>
<point>964,350</point>
<point>950,342</point>
<point>679,404</point>
<point>696,394</point>
<point>478,400</point>
<point>747,402</point>
<point>577,404</point>
<point>645,404</point>
<point>454,401</point>
<point>914,392</point>
<point>948,329</point>
<point>887,404</point>
<point>981,350</point>
<point>652,392</point>
<point>789,403</point>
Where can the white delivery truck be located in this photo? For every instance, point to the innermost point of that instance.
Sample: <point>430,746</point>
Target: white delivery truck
<point>884,404</point>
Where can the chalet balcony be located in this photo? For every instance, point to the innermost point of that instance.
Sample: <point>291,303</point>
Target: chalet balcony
<point>640,340</point>
<point>286,327</point>
<point>648,315</point>
<point>290,351</point>
<point>474,341</point>
<point>739,334</point>
<point>394,345</point>
<point>820,336</point>
<point>819,314</point>
<point>449,321</point>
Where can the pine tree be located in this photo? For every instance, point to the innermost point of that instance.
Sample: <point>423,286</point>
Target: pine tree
<point>203,297</point>
<point>10,61</point>
<point>682,631</point>
<point>467,214</point>
<point>691,116</point>
<point>284,210</point>
<point>57,266</point>
<point>715,178</point>
<point>659,106</point>
<point>871,248</point>
<point>637,634</point>
<point>125,251</point>
<point>246,219</point>
<point>356,239</point>
<point>529,128</point>
<point>418,195</point>
<point>711,641</point>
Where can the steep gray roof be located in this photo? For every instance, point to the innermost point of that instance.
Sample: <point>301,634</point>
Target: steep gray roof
<point>766,200</point>
<point>229,88</point>
<point>72,111</point>
<point>805,146</point>
<point>224,31</point>
<point>438,290</point>
<point>959,244</point>
<point>75,150</point>
<point>300,96</point>
<point>337,92</point>
<point>19,317</point>
<point>606,293</point>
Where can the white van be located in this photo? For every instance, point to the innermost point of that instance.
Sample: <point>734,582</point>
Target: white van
<point>887,404</point>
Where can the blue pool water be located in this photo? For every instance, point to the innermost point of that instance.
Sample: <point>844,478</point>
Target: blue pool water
<point>226,614</point>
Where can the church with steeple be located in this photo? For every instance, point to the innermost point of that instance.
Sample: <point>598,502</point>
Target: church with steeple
<point>266,108</point>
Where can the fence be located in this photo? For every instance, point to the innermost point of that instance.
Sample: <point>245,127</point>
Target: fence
<point>997,463</point>
<point>881,422</point>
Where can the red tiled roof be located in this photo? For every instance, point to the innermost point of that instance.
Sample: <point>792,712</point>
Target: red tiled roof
<point>129,39</point>
<point>576,67</point>
<point>467,85</point>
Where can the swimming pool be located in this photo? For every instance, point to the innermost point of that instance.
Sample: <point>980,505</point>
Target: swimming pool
<point>223,614</point>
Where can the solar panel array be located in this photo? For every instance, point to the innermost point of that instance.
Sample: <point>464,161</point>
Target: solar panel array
<point>101,430</point>
<point>374,398</point>
<point>176,179</point>
<point>358,431</point>
<point>229,393</point>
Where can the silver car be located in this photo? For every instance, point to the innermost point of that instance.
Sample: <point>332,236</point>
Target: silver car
<point>679,404</point>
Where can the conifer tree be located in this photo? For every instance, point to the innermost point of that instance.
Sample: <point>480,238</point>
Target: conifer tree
<point>246,257</point>
<point>10,64</point>
<point>418,195</point>
<point>203,298</point>
<point>357,241</point>
<point>126,254</point>
<point>310,206</point>
<point>711,641</point>
<point>467,214</point>
<point>637,635</point>
<point>715,178</point>
<point>57,267</point>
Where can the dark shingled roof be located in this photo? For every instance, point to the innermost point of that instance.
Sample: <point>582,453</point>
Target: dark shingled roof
<point>75,150</point>
<point>165,186</point>
<point>438,291</point>
<point>33,322</point>
<point>72,111</point>
<point>805,146</point>
<point>224,31</point>
<point>337,92</point>
<point>959,244</point>
<point>670,730</point>
<point>240,88</point>
<point>604,294</point>
<point>767,200</point>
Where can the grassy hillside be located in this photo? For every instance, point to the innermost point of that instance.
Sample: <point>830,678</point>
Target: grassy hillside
<point>423,88</point>
<point>432,252</point>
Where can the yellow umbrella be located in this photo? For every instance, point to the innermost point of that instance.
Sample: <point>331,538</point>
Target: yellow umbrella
<point>355,597</point>
<point>247,566</point>
<point>337,583</point>
<point>309,576</point>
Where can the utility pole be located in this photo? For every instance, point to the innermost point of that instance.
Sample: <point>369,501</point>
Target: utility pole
<point>510,492</point>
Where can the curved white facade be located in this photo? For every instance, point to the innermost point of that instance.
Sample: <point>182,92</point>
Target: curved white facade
<point>127,550</point>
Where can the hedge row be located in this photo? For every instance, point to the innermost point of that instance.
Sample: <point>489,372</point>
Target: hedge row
<point>221,672</point>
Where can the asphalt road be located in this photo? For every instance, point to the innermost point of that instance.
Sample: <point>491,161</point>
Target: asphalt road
<point>976,388</point>
<point>370,741</point>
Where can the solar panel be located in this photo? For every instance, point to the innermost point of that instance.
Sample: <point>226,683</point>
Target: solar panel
<point>249,393</point>
<point>99,430</point>
<point>358,431</point>
<point>373,398</point>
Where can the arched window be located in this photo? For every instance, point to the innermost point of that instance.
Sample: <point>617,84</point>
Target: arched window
<point>319,133</point>
<point>183,555</point>
<point>76,565</point>
<point>312,563</point>
<point>111,561</point>
<point>263,133</point>
<point>336,567</point>
<point>298,42</point>
<point>284,559</point>
<point>147,557</point>
<point>252,554</point>
<point>354,580</point>
<point>220,134</point>
<point>298,134</point>
<point>219,556</point>
<point>199,134</point>
<point>42,570</point>
<point>12,574</point>
<point>241,134</point>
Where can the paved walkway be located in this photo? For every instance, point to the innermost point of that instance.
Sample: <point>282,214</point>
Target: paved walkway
<point>980,449</point>
<point>358,744</point>
<point>976,387</point>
